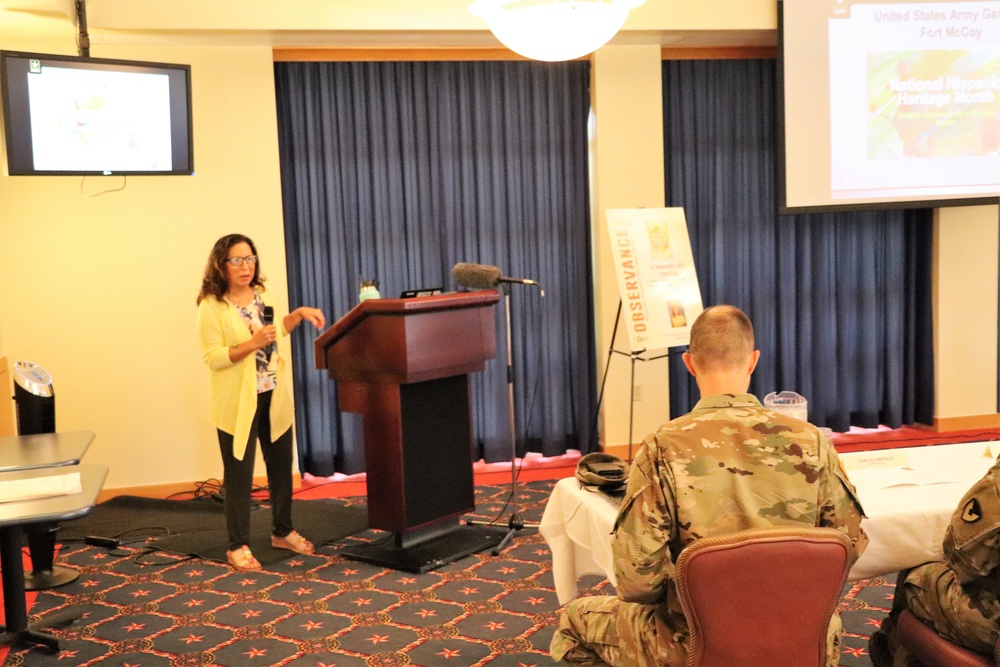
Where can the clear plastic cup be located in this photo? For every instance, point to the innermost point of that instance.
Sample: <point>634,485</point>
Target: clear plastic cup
<point>788,403</point>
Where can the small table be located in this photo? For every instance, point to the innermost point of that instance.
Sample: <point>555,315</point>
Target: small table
<point>14,517</point>
<point>44,450</point>
<point>905,524</point>
<point>577,526</point>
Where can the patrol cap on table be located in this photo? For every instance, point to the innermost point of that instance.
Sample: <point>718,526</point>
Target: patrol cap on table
<point>598,471</point>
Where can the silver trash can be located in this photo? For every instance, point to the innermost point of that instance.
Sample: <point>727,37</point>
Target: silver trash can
<point>34,399</point>
<point>35,404</point>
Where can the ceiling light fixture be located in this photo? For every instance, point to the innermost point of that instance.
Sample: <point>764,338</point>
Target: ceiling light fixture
<point>554,29</point>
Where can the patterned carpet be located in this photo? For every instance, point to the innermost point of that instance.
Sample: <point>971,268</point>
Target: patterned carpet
<point>156,610</point>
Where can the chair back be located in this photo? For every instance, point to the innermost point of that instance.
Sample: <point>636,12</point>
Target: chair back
<point>933,650</point>
<point>763,596</point>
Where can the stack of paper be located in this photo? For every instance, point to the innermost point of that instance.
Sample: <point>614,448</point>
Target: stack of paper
<point>883,478</point>
<point>40,487</point>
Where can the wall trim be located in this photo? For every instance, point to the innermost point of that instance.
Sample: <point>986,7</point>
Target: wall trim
<point>379,54</point>
<point>167,490</point>
<point>721,53</point>
<point>478,53</point>
<point>963,423</point>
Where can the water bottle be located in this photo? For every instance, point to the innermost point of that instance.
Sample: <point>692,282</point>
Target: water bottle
<point>369,290</point>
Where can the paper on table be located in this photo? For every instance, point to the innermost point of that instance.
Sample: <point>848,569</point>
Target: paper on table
<point>40,487</point>
<point>883,478</point>
<point>993,451</point>
<point>892,458</point>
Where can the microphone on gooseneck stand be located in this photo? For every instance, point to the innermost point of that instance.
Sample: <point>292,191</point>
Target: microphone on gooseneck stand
<point>482,276</point>
<point>267,317</point>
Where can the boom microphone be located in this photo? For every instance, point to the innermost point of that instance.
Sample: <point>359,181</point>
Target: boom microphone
<point>481,276</point>
<point>268,318</point>
<point>476,276</point>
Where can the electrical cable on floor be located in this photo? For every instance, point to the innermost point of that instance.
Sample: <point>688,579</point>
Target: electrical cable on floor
<point>210,489</point>
<point>213,490</point>
<point>119,548</point>
<point>167,561</point>
<point>375,543</point>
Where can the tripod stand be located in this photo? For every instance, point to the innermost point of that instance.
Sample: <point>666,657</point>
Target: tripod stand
<point>515,523</point>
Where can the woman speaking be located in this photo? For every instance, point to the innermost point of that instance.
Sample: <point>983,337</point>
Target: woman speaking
<point>250,392</point>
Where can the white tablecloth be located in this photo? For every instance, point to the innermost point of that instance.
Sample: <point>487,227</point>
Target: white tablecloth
<point>905,523</point>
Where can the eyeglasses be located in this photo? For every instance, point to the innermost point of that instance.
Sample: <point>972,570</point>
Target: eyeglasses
<point>236,261</point>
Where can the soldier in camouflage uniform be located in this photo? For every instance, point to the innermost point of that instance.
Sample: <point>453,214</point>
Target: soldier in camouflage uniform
<point>727,465</point>
<point>959,597</point>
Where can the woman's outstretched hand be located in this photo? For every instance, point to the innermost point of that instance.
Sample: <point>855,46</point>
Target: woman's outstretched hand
<point>304,313</point>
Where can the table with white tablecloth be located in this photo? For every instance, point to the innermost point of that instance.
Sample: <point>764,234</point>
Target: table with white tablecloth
<point>908,494</point>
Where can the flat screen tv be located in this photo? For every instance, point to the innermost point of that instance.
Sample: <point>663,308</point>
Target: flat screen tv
<point>66,115</point>
<point>888,103</point>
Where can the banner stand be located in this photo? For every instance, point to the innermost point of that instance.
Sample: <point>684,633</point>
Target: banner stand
<point>657,285</point>
<point>634,355</point>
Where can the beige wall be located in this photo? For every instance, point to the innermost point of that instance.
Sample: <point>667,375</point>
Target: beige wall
<point>965,317</point>
<point>8,425</point>
<point>627,165</point>
<point>100,289</point>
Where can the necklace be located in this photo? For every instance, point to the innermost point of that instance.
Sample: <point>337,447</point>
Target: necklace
<point>241,301</point>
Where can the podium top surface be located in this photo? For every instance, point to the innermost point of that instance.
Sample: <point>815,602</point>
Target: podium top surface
<point>43,450</point>
<point>399,310</point>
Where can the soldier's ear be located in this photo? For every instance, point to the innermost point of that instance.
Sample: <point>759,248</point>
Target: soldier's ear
<point>754,358</point>
<point>689,362</point>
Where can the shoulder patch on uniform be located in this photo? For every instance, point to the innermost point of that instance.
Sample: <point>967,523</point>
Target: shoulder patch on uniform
<point>972,512</point>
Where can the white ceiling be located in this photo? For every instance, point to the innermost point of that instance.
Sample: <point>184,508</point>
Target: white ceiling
<point>359,23</point>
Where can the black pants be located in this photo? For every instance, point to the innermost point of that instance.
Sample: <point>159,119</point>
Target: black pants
<point>239,476</point>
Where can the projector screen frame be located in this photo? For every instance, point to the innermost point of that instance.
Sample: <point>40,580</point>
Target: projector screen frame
<point>857,204</point>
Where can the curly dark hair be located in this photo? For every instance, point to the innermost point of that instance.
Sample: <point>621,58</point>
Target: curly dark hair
<point>214,281</point>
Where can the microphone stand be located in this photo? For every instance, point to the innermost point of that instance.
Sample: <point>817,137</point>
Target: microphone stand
<point>515,523</point>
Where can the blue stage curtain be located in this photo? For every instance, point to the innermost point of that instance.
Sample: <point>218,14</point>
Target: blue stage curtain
<point>399,170</point>
<point>841,302</point>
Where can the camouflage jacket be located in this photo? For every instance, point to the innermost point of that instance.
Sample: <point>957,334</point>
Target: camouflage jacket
<point>972,541</point>
<point>727,465</point>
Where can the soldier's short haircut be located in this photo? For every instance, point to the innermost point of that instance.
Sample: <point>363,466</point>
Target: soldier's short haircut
<point>721,339</point>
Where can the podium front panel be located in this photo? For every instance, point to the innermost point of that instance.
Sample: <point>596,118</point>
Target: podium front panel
<point>418,453</point>
<point>437,452</point>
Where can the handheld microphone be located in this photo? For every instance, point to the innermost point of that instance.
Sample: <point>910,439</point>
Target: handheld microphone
<point>481,276</point>
<point>267,317</point>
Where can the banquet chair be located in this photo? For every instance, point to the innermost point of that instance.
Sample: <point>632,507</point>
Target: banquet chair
<point>933,650</point>
<point>762,596</point>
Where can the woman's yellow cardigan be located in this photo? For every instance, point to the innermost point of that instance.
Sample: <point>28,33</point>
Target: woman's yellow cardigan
<point>232,387</point>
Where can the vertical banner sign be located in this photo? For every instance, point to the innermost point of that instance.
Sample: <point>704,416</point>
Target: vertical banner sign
<point>656,276</point>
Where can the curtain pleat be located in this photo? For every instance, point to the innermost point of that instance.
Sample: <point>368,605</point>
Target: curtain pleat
<point>840,301</point>
<point>397,171</point>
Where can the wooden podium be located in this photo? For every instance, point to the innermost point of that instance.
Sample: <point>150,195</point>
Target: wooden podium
<point>404,364</point>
